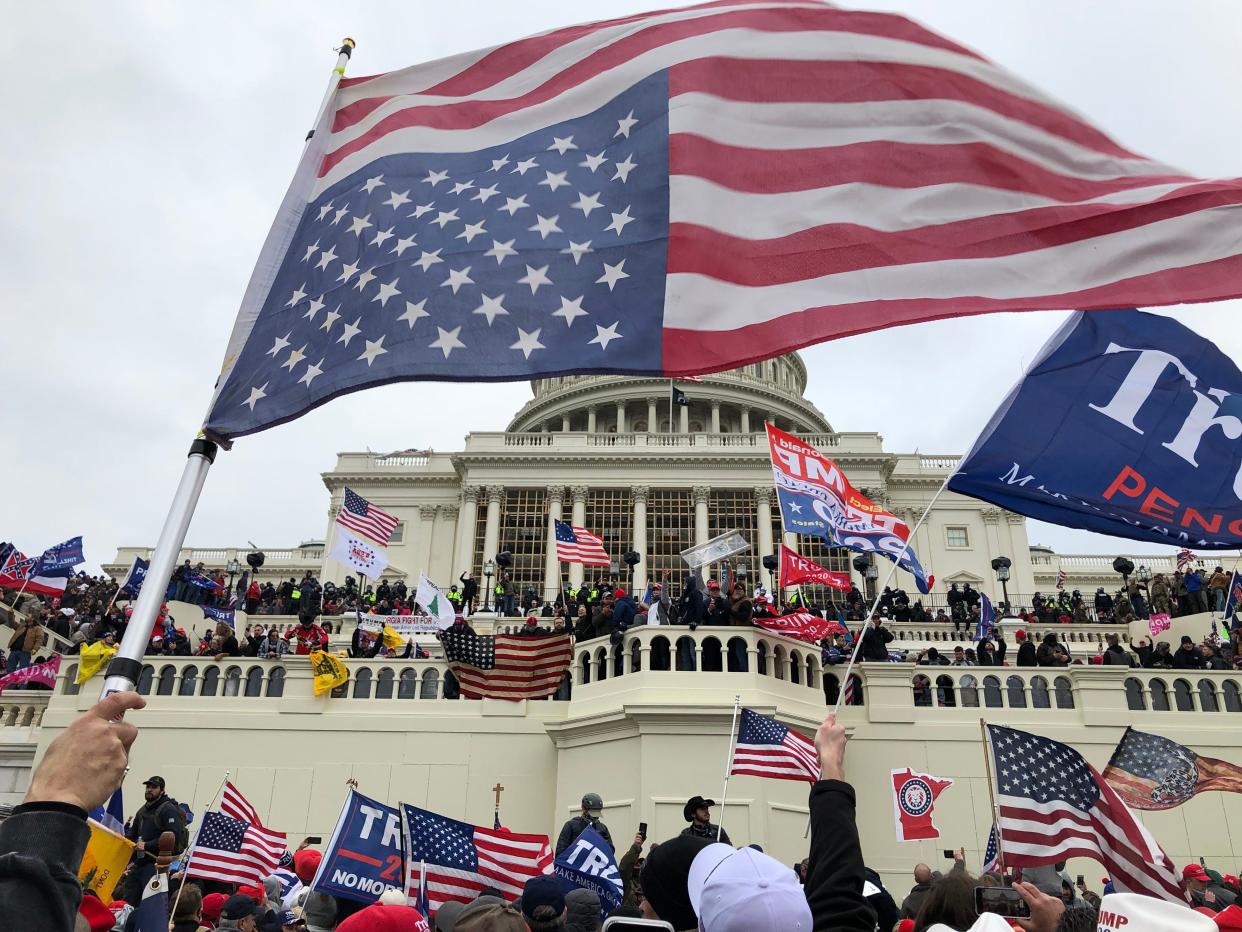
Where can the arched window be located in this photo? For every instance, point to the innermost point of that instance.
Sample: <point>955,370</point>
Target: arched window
<point>254,681</point>
<point>780,662</point>
<point>362,683</point>
<point>1017,692</point>
<point>584,664</point>
<point>407,684</point>
<point>1181,696</point>
<point>276,682</point>
<point>383,683</point>
<point>232,681</point>
<point>832,689</point>
<point>795,667</point>
<point>1064,691</point>
<point>812,670</point>
<point>855,693</point>
<point>143,686</point>
<point>922,690</point>
<point>636,655</point>
<point>761,660</point>
<point>991,692</point>
<point>71,680</point>
<point>945,695</point>
<point>211,681</point>
<point>1159,695</point>
<point>970,691</point>
<point>431,684</point>
<point>168,677</point>
<point>189,681</point>
<point>659,653</point>
<point>1207,696</point>
<point>1134,695</point>
<point>601,664</point>
<point>712,661</point>
<point>1233,700</point>
<point>1039,693</point>
<point>685,653</point>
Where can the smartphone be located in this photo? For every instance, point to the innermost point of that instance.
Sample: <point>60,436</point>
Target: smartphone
<point>948,854</point>
<point>1003,901</point>
<point>315,840</point>
<point>642,830</point>
<point>625,924</point>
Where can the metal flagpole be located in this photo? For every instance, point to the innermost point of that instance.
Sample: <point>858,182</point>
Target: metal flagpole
<point>189,855</point>
<point>724,794</point>
<point>879,592</point>
<point>125,667</point>
<point>987,765</point>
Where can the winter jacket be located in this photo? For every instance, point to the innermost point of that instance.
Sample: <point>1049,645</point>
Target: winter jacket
<point>573,828</point>
<point>42,845</point>
<point>834,880</point>
<point>708,830</point>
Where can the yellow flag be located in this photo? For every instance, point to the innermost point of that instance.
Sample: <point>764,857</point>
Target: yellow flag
<point>392,640</point>
<point>329,671</point>
<point>93,659</point>
<point>107,853</point>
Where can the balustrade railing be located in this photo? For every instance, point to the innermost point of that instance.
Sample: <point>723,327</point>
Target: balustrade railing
<point>23,708</point>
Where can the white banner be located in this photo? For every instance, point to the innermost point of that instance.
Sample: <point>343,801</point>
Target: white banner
<point>404,625</point>
<point>366,558</point>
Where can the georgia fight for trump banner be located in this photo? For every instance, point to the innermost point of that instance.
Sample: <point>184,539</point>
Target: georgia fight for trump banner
<point>816,498</point>
<point>1127,424</point>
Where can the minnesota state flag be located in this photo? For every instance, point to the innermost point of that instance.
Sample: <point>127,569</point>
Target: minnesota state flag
<point>329,671</point>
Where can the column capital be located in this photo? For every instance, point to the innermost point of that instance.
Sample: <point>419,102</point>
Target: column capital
<point>449,511</point>
<point>991,515</point>
<point>592,408</point>
<point>427,512</point>
<point>579,492</point>
<point>470,493</point>
<point>639,493</point>
<point>556,492</point>
<point>715,404</point>
<point>1014,518</point>
<point>495,493</point>
<point>701,493</point>
<point>654,399</point>
<point>763,494</point>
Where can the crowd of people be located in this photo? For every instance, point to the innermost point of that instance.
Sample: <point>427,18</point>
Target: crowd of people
<point>696,880</point>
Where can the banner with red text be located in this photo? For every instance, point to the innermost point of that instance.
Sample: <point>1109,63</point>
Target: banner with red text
<point>40,674</point>
<point>801,625</point>
<point>796,569</point>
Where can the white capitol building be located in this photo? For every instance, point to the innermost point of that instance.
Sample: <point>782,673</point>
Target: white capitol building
<point>599,452</point>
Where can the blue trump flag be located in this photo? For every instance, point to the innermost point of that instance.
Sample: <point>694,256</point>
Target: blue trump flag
<point>136,576</point>
<point>987,619</point>
<point>589,864</point>
<point>364,855</point>
<point>1234,597</point>
<point>225,615</point>
<point>61,559</point>
<point>1120,426</point>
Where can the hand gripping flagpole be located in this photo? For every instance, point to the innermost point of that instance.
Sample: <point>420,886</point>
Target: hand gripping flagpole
<point>880,590</point>
<point>724,794</point>
<point>126,666</point>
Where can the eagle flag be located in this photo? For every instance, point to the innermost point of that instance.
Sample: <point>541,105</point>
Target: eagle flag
<point>1152,772</point>
<point>689,190</point>
<point>816,498</point>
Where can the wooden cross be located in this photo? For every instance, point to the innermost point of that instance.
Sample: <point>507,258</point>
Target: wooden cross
<point>498,789</point>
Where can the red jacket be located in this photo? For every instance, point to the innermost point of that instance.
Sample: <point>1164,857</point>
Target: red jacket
<point>309,638</point>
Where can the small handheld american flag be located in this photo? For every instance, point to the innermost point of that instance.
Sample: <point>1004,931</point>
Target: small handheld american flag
<point>361,517</point>
<point>991,857</point>
<point>578,545</point>
<point>766,748</point>
<point>232,844</point>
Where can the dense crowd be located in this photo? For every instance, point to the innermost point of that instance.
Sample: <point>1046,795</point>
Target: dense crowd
<point>691,881</point>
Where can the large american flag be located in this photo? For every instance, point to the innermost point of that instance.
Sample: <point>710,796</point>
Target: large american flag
<point>1153,772</point>
<point>463,859</point>
<point>1054,805</point>
<point>361,517</point>
<point>507,666</point>
<point>234,851</point>
<point>766,748</point>
<point>578,545</point>
<point>688,190</point>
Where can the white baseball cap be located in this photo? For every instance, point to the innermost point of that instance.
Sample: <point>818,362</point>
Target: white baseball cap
<point>1134,912</point>
<point>745,890</point>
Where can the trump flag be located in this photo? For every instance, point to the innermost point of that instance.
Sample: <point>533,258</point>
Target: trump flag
<point>795,569</point>
<point>1126,424</point>
<point>689,190</point>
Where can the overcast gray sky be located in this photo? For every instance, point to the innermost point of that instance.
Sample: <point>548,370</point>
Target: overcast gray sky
<point>150,143</point>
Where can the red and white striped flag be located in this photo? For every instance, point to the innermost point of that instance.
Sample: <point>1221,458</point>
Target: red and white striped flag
<point>1061,576</point>
<point>578,545</point>
<point>507,666</point>
<point>1054,806</point>
<point>232,844</point>
<point>766,748</point>
<point>361,517</point>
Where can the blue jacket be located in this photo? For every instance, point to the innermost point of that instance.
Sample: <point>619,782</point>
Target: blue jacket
<point>623,611</point>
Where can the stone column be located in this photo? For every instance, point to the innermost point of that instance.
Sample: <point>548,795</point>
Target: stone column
<point>638,495</point>
<point>745,420</point>
<point>439,567</point>
<point>579,493</point>
<point>702,495</point>
<point>564,423</point>
<point>621,425</point>
<point>653,420</point>
<point>715,428</point>
<point>426,528</point>
<point>684,418</point>
<point>552,566</point>
<point>466,519</point>
<point>491,532</point>
<point>763,521</point>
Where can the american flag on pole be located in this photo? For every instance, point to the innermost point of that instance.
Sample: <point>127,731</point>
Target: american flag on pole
<point>1061,577</point>
<point>463,859</point>
<point>235,851</point>
<point>507,666</point>
<point>689,190</point>
<point>578,545</point>
<point>1185,558</point>
<point>361,517</point>
<point>991,856</point>
<point>766,748</point>
<point>1054,806</point>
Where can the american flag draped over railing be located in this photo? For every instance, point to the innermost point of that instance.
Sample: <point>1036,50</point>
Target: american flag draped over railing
<point>689,190</point>
<point>507,666</point>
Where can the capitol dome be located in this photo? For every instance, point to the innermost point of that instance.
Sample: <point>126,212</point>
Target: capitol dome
<point>730,402</point>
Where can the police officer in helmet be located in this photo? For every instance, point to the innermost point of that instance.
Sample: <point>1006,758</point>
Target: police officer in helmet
<point>592,809</point>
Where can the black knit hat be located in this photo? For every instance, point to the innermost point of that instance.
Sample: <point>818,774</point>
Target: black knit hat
<point>665,877</point>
